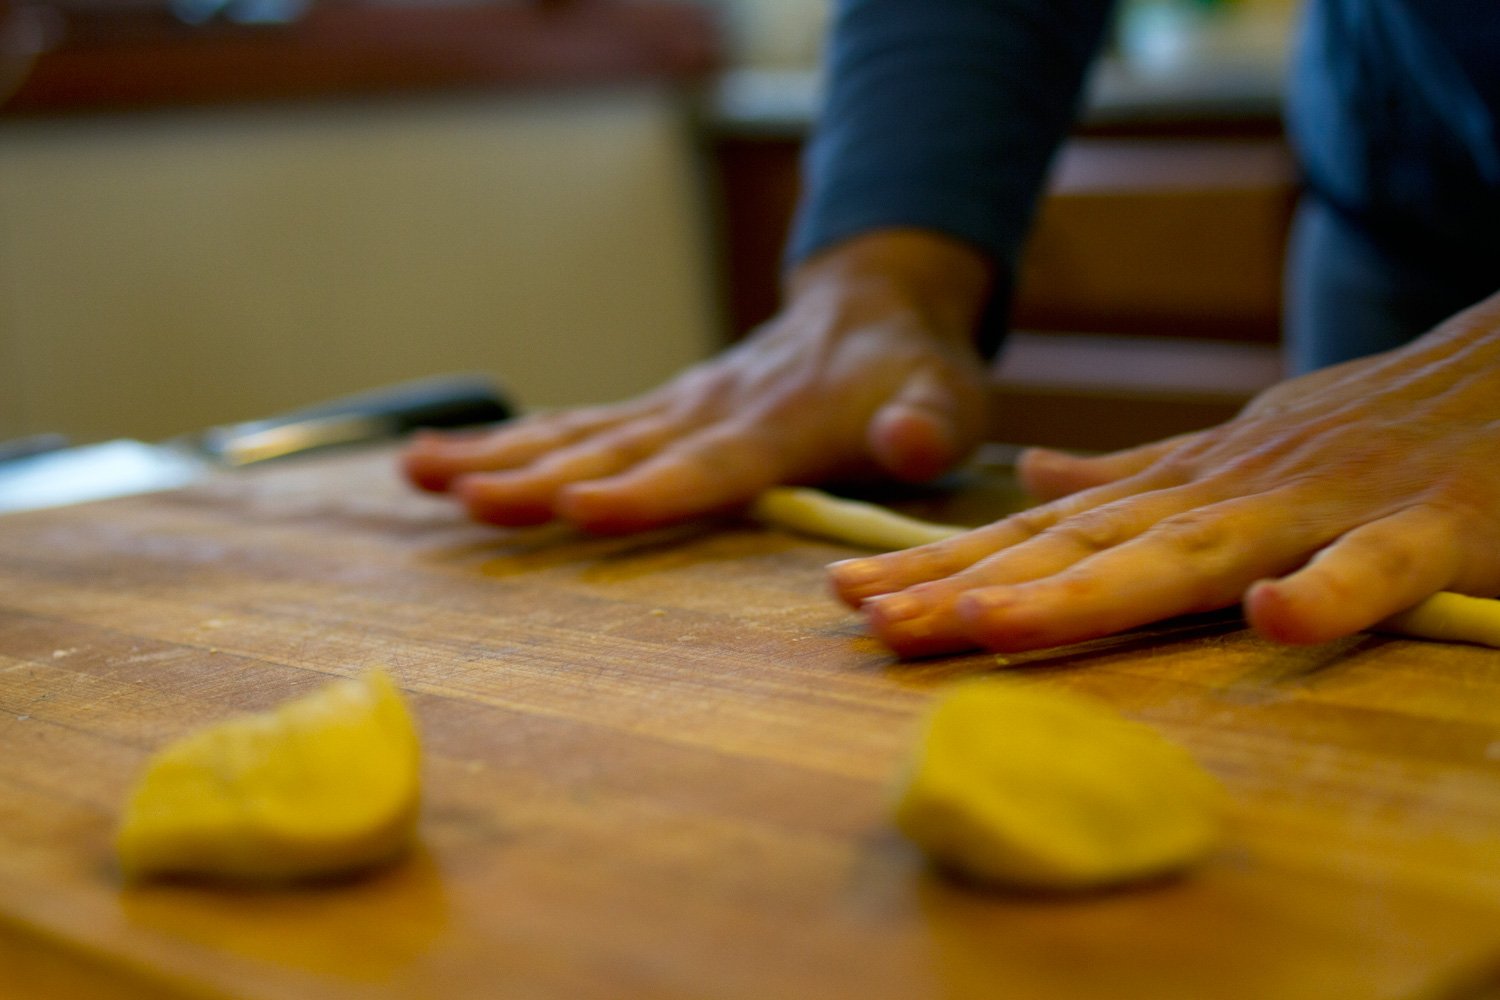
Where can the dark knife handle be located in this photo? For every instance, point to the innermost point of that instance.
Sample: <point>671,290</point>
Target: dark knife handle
<point>378,414</point>
<point>442,401</point>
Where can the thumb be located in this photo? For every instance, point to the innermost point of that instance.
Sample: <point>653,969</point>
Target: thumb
<point>927,427</point>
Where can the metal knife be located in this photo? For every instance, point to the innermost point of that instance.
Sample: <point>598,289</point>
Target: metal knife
<point>61,476</point>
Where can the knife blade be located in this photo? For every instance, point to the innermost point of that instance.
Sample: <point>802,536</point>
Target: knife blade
<point>62,476</point>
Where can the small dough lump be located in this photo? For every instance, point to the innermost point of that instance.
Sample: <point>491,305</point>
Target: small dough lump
<point>1019,786</point>
<point>323,785</point>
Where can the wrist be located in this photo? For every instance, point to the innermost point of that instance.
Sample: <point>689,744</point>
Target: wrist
<point>943,282</point>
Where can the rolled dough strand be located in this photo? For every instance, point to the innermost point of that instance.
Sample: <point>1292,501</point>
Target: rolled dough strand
<point>813,512</point>
<point>1445,617</point>
<point>1449,617</point>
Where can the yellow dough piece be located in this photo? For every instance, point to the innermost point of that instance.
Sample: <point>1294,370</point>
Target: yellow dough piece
<point>323,785</point>
<point>1017,786</point>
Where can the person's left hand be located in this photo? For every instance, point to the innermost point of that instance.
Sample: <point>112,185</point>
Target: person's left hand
<point>1333,501</point>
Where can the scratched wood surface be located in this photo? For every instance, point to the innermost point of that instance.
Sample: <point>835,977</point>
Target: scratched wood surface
<point>657,768</point>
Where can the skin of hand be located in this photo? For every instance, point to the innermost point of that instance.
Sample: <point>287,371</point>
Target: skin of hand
<point>1331,502</point>
<point>869,370</point>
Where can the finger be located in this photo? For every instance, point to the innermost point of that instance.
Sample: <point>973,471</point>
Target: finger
<point>926,618</point>
<point>924,430</point>
<point>861,579</point>
<point>714,469</point>
<point>434,461</point>
<point>530,495</point>
<point>1196,561</point>
<point>1049,474</point>
<point>913,624</point>
<point>1369,574</point>
<point>915,617</point>
<point>857,580</point>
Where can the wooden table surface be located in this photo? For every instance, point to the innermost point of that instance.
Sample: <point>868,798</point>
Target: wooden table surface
<point>657,767</point>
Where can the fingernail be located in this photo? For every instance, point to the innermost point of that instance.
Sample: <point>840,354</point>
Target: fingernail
<point>855,572</point>
<point>895,607</point>
<point>989,599</point>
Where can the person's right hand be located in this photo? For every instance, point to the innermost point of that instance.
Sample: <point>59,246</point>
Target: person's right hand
<point>868,371</point>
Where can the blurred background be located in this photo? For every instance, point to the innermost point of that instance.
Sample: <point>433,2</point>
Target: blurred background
<point>211,210</point>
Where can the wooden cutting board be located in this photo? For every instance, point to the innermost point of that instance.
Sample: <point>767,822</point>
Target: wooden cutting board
<point>657,767</point>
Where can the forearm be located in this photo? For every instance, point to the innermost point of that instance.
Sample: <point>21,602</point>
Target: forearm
<point>944,115</point>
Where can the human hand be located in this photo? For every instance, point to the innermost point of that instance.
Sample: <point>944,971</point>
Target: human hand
<point>867,371</point>
<point>1333,501</point>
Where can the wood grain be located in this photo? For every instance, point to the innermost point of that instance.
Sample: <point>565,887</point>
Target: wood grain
<point>657,768</point>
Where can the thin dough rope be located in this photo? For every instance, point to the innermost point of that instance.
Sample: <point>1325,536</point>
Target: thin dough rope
<point>813,512</point>
<point>1445,617</point>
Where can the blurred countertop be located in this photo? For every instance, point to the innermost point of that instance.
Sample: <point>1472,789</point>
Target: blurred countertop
<point>132,55</point>
<point>1169,65</point>
<point>785,102</point>
<point>1168,62</point>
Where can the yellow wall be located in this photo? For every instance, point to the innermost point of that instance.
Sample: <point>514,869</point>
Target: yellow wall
<point>162,273</point>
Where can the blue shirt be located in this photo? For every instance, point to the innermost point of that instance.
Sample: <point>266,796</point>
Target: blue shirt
<point>945,114</point>
<point>1395,112</point>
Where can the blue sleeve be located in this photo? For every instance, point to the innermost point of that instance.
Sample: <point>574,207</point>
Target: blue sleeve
<point>945,115</point>
<point>1395,113</point>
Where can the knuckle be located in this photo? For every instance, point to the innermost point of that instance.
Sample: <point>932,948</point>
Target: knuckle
<point>1032,522</point>
<point>702,393</point>
<point>1194,534</point>
<point>635,442</point>
<point>737,450</point>
<point>1386,558</point>
<point>1183,465</point>
<point>1091,531</point>
<point>1470,510</point>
